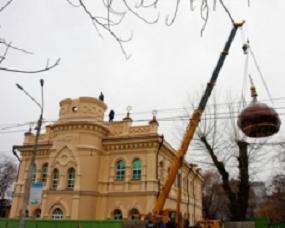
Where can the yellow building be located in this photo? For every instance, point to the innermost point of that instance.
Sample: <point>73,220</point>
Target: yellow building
<point>95,169</point>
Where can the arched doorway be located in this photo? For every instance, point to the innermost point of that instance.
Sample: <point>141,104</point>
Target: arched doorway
<point>37,213</point>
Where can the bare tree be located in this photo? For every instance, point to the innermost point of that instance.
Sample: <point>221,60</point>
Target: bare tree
<point>214,199</point>
<point>274,205</point>
<point>108,15</point>
<point>8,173</point>
<point>7,46</point>
<point>219,143</point>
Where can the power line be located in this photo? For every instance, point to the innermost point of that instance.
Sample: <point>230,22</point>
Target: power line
<point>229,115</point>
<point>207,116</point>
<point>212,116</point>
<point>15,131</point>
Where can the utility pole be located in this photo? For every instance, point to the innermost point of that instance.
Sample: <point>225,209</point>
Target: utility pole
<point>28,182</point>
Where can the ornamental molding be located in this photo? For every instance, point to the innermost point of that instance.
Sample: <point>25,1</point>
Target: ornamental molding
<point>79,125</point>
<point>130,146</point>
<point>95,193</point>
<point>60,203</point>
<point>128,194</point>
<point>64,157</point>
<point>73,193</point>
<point>41,153</point>
<point>90,150</point>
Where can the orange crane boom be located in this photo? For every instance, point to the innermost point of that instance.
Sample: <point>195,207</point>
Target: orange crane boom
<point>192,125</point>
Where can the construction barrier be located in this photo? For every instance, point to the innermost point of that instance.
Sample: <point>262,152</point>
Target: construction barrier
<point>278,225</point>
<point>262,222</point>
<point>12,223</point>
<point>239,225</point>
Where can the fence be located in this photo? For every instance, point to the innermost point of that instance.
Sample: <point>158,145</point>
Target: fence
<point>278,225</point>
<point>11,223</point>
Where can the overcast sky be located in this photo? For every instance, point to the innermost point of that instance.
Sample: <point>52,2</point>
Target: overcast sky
<point>167,64</point>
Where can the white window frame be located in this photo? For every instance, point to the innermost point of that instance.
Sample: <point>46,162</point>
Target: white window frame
<point>57,214</point>
<point>55,179</point>
<point>71,178</point>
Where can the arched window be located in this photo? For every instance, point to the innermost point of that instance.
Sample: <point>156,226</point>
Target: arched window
<point>55,179</point>
<point>134,214</point>
<point>120,170</point>
<point>118,214</point>
<point>34,173</point>
<point>57,214</point>
<point>137,171</point>
<point>70,178</point>
<point>44,172</point>
<point>37,213</point>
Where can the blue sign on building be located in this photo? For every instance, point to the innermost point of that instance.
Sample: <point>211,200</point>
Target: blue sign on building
<point>36,193</point>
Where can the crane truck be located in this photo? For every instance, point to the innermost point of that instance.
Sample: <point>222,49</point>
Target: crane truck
<point>158,211</point>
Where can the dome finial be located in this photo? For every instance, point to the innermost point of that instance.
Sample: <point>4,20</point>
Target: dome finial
<point>252,88</point>
<point>128,117</point>
<point>154,120</point>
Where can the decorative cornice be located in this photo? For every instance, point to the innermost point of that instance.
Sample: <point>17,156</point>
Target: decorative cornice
<point>130,143</point>
<point>108,194</point>
<point>80,125</point>
<point>129,146</point>
<point>96,193</point>
<point>39,153</point>
<point>42,149</point>
<point>128,194</point>
<point>131,138</point>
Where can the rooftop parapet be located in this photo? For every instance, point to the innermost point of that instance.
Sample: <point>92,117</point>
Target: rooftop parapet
<point>88,108</point>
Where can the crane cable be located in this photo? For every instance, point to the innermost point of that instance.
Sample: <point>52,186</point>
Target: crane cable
<point>247,49</point>
<point>261,75</point>
<point>245,45</point>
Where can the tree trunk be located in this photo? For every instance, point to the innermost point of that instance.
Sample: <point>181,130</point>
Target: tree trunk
<point>238,202</point>
<point>243,188</point>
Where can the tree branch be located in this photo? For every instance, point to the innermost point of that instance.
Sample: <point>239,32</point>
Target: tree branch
<point>104,26</point>
<point>204,10</point>
<point>143,5</point>
<point>174,16</point>
<point>139,16</point>
<point>6,5</point>
<point>3,42</point>
<point>48,67</point>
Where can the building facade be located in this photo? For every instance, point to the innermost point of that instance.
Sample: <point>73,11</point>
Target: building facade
<point>88,168</point>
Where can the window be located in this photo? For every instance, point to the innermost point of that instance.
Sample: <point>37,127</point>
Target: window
<point>34,173</point>
<point>118,214</point>
<point>134,214</point>
<point>55,178</point>
<point>70,178</point>
<point>161,170</point>
<point>44,172</point>
<point>57,214</point>
<point>137,169</point>
<point>120,170</point>
<point>178,180</point>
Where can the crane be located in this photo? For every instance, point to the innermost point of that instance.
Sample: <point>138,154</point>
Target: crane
<point>191,127</point>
